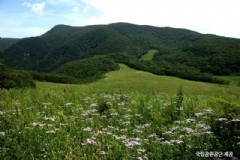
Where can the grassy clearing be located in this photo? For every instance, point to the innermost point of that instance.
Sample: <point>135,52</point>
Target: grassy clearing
<point>128,80</point>
<point>234,80</point>
<point>149,55</point>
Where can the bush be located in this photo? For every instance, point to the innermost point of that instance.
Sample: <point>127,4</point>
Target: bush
<point>15,79</point>
<point>56,78</point>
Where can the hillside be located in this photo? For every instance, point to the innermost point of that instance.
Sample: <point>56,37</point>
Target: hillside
<point>7,42</point>
<point>179,52</point>
<point>128,80</point>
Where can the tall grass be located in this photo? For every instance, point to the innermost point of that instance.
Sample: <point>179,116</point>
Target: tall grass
<point>67,124</point>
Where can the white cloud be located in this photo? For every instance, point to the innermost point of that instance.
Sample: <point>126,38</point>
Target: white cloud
<point>215,16</point>
<point>35,7</point>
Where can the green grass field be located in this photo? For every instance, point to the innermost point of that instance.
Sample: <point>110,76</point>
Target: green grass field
<point>129,80</point>
<point>129,114</point>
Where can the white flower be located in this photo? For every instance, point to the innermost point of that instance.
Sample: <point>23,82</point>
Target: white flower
<point>132,143</point>
<point>166,143</point>
<point>199,114</point>
<point>121,104</point>
<point>109,103</point>
<point>88,129</point>
<point>141,150</point>
<point>188,130</point>
<point>2,133</point>
<point>91,141</point>
<point>222,119</point>
<point>114,114</point>
<point>51,131</point>
<point>93,105</point>
<point>103,153</point>
<point>2,113</point>
<point>37,124</point>
<point>69,104</point>
<point>190,120</point>
<point>168,133</point>
<point>208,132</point>
<point>209,110</point>
<point>235,120</point>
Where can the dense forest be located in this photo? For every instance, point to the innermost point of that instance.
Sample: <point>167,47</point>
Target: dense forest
<point>7,42</point>
<point>72,50</point>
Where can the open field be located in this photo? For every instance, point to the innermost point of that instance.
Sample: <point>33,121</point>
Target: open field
<point>130,80</point>
<point>128,114</point>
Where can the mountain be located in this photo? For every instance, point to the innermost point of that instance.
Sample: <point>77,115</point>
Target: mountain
<point>7,42</point>
<point>178,49</point>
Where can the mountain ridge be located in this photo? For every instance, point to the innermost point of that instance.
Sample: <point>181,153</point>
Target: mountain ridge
<point>176,47</point>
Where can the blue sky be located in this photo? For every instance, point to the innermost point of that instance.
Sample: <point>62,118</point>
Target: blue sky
<point>25,18</point>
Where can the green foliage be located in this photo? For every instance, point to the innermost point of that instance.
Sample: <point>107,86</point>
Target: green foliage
<point>88,69</point>
<point>15,79</point>
<point>10,78</point>
<point>56,78</point>
<point>7,42</point>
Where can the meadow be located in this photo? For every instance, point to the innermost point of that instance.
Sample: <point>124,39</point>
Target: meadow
<point>129,114</point>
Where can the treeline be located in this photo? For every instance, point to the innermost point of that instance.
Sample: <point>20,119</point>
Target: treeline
<point>56,78</point>
<point>10,78</point>
<point>88,69</point>
<point>167,68</point>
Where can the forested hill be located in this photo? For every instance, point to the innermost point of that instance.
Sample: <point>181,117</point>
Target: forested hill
<point>7,42</point>
<point>178,49</point>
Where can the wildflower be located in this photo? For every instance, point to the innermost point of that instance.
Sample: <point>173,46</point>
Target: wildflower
<point>238,143</point>
<point>166,142</point>
<point>2,113</point>
<point>93,105</point>
<point>132,143</point>
<point>103,153</point>
<point>181,136</point>
<point>123,130</point>
<point>49,118</point>
<point>209,110</point>
<point>2,133</point>
<point>88,129</point>
<point>114,114</point>
<point>168,133</point>
<point>141,150</point>
<point>199,114</point>
<point>222,119</point>
<point>176,141</point>
<point>203,126</point>
<point>126,123</point>
<point>121,104</point>
<point>109,103</point>
<point>235,120</point>
<point>69,104</point>
<point>51,131</point>
<point>189,120</point>
<point>37,124</point>
<point>84,114</point>
<point>91,141</point>
<point>208,132</point>
<point>188,130</point>
<point>139,158</point>
<point>152,135</point>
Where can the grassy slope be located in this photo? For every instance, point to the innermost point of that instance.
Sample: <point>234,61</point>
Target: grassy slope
<point>149,55</point>
<point>130,80</point>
